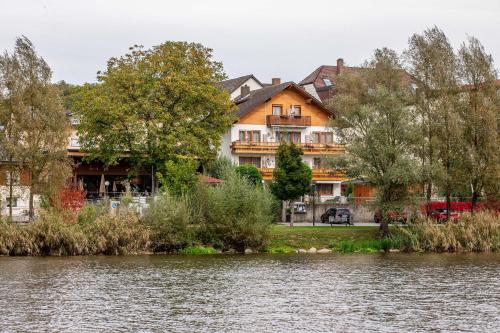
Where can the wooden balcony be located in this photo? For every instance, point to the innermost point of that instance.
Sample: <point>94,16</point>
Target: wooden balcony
<point>318,174</point>
<point>245,147</point>
<point>300,121</point>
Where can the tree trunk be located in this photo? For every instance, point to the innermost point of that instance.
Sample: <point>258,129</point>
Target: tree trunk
<point>283,211</point>
<point>473,205</point>
<point>11,193</point>
<point>448,204</point>
<point>384,225</point>
<point>292,213</point>
<point>428,198</point>
<point>31,212</point>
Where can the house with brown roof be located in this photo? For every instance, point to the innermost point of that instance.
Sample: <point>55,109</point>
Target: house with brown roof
<point>322,81</point>
<point>282,112</point>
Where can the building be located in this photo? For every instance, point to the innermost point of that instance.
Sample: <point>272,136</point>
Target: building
<point>269,114</point>
<point>96,178</point>
<point>322,81</point>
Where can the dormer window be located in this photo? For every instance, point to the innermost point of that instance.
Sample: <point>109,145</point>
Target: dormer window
<point>327,82</point>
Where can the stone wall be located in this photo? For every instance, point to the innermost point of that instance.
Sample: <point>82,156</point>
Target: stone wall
<point>360,213</point>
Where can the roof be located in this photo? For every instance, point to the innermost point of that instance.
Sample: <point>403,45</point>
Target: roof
<point>326,71</point>
<point>210,180</point>
<point>259,96</point>
<point>233,84</point>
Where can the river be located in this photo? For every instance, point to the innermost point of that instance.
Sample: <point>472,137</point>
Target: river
<point>252,293</point>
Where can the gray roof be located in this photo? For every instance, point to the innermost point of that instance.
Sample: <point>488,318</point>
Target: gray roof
<point>259,96</point>
<point>233,84</point>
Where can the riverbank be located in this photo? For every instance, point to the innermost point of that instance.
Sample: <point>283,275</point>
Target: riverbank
<point>285,239</point>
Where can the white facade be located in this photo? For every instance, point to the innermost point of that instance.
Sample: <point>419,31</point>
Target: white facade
<point>251,83</point>
<point>20,202</point>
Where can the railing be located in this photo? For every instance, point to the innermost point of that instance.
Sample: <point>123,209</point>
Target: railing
<point>271,147</point>
<point>273,120</point>
<point>317,174</point>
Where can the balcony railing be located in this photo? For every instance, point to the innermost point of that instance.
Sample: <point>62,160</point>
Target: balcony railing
<point>317,174</point>
<point>273,120</point>
<point>265,147</point>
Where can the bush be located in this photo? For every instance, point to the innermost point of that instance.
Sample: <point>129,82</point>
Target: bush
<point>235,214</point>
<point>198,249</point>
<point>250,172</point>
<point>168,219</point>
<point>471,233</point>
<point>117,234</point>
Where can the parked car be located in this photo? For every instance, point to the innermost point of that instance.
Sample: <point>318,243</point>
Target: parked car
<point>392,215</point>
<point>441,216</point>
<point>337,216</point>
<point>299,208</point>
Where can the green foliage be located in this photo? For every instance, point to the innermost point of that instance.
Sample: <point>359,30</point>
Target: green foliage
<point>377,126</point>
<point>291,177</point>
<point>250,172</point>
<point>156,105</point>
<point>219,167</point>
<point>179,176</point>
<point>168,219</point>
<point>198,249</point>
<point>235,214</point>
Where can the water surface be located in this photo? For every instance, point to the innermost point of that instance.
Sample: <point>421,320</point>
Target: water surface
<point>252,293</point>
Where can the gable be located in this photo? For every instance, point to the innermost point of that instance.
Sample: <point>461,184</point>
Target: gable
<point>286,98</point>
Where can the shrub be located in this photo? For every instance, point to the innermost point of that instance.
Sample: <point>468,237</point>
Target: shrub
<point>117,234</point>
<point>168,219</point>
<point>250,172</point>
<point>471,233</point>
<point>198,249</point>
<point>235,214</point>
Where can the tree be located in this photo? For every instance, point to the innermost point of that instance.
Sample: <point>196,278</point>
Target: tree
<point>291,177</point>
<point>154,106</point>
<point>40,121</point>
<point>480,113</point>
<point>250,172</point>
<point>433,66</point>
<point>375,122</point>
<point>180,176</point>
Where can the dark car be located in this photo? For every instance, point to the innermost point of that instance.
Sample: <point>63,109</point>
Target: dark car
<point>392,216</point>
<point>337,216</point>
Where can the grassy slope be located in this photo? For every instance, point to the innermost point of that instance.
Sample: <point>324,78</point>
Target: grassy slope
<point>342,239</point>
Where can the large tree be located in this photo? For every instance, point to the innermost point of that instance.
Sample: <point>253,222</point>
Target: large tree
<point>480,113</point>
<point>36,118</point>
<point>376,123</point>
<point>291,177</point>
<point>433,65</point>
<point>155,106</point>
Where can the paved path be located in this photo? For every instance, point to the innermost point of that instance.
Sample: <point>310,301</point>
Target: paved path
<point>319,224</point>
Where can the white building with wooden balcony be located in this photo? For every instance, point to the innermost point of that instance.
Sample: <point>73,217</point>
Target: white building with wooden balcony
<point>270,114</point>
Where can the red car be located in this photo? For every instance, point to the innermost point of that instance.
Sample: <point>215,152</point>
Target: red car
<point>441,216</point>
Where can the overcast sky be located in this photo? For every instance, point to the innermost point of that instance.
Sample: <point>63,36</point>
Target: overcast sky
<point>286,39</point>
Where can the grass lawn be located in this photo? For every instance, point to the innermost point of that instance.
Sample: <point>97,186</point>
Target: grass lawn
<point>286,239</point>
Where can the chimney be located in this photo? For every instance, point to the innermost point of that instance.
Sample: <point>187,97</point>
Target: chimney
<point>245,90</point>
<point>340,64</point>
<point>275,81</point>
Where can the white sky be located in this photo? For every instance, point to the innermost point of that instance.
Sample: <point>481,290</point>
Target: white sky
<point>272,38</point>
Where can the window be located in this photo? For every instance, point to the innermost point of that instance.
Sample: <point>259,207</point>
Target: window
<point>277,110</point>
<point>288,136</point>
<point>324,189</point>
<point>327,82</point>
<point>14,202</point>
<point>75,142</point>
<point>250,136</point>
<point>323,137</point>
<point>295,110</point>
<point>250,160</point>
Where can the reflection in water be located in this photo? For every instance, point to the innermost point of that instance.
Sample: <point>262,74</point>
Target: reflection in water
<point>256,293</point>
